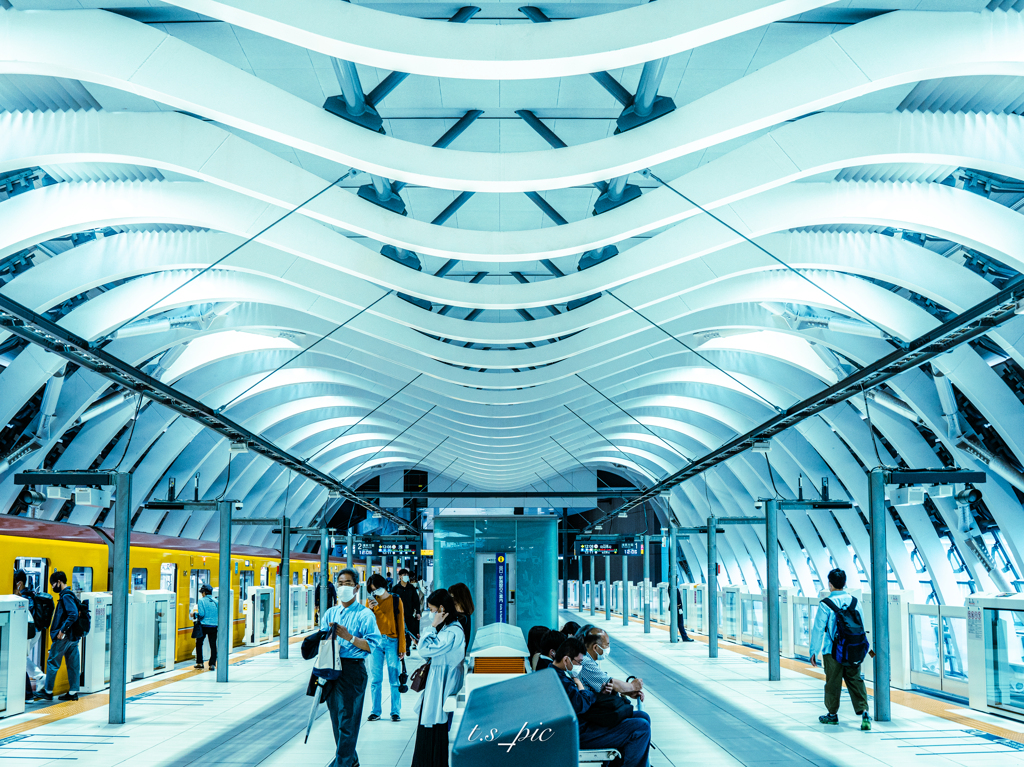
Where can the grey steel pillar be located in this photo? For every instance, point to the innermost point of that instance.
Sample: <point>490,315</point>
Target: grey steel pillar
<point>625,590</point>
<point>646,598</point>
<point>593,585</point>
<point>349,543</point>
<point>286,595</point>
<point>565,558</point>
<point>771,509</point>
<point>119,603</point>
<point>673,594</point>
<point>607,587</point>
<point>712,587</point>
<point>224,611</point>
<point>879,594</point>
<point>325,571</point>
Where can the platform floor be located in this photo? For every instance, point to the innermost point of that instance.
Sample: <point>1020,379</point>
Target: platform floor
<point>705,712</point>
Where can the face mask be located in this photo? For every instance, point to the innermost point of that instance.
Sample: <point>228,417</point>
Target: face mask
<point>405,579</point>
<point>380,592</point>
<point>574,672</point>
<point>605,652</point>
<point>346,593</point>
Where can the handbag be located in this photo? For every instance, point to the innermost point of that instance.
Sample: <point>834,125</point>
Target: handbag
<point>197,630</point>
<point>327,664</point>
<point>419,678</point>
<point>609,710</point>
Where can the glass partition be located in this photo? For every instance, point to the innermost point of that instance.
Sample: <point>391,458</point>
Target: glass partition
<point>159,634</point>
<point>5,641</point>
<point>265,614</point>
<point>803,617</point>
<point>753,613</point>
<point>954,640</point>
<point>106,645</point>
<point>1004,658</point>
<point>924,644</point>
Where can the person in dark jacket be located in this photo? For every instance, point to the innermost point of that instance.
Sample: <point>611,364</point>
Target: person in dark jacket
<point>548,646</point>
<point>332,598</point>
<point>681,617</point>
<point>64,645</point>
<point>410,596</point>
<point>631,737</point>
<point>33,674</point>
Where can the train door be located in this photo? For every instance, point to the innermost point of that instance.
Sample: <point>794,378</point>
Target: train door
<point>81,579</point>
<point>169,577</point>
<point>197,579</point>
<point>38,571</point>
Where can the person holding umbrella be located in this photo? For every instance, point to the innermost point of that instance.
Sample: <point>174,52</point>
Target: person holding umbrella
<point>355,628</point>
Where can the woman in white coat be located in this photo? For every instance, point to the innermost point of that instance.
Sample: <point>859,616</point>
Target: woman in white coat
<point>444,645</point>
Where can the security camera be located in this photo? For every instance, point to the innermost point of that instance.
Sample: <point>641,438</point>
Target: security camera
<point>238,506</point>
<point>758,505</point>
<point>968,495</point>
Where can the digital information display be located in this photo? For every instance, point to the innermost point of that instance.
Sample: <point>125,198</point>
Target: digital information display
<point>384,548</point>
<point>627,548</point>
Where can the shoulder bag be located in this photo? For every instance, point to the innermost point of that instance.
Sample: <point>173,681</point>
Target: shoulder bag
<point>609,710</point>
<point>418,680</point>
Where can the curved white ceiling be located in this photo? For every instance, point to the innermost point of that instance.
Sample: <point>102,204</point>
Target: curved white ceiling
<point>811,148</point>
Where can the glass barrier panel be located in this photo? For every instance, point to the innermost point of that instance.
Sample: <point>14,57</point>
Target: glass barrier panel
<point>924,644</point>
<point>757,616</point>
<point>954,648</point>
<point>731,613</point>
<point>801,624</point>
<point>1004,664</point>
<point>106,648</point>
<point>5,641</point>
<point>159,634</point>
<point>265,614</point>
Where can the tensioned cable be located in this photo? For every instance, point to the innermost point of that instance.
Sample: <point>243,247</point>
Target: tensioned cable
<point>260,233</point>
<point>801,275</point>
<point>624,412</point>
<point>449,488</point>
<point>555,470</point>
<point>689,348</point>
<point>372,457</point>
<point>284,364</point>
<point>628,459</point>
<point>350,428</point>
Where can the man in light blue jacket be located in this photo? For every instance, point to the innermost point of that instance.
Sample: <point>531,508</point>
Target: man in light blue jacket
<point>823,636</point>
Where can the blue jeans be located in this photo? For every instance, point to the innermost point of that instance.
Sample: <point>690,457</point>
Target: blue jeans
<point>64,649</point>
<point>631,738</point>
<point>387,650</point>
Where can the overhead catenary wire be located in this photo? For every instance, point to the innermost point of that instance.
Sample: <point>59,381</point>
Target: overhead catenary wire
<point>222,259</point>
<point>885,334</point>
<point>689,348</point>
<point>131,433</point>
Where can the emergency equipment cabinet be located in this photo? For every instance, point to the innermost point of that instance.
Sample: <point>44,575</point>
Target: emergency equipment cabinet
<point>155,631</point>
<point>14,618</point>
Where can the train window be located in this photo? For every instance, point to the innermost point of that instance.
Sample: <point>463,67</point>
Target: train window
<point>199,577</point>
<point>81,579</point>
<point>245,582</point>
<point>140,579</point>
<point>36,570</point>
<point>295,578</point>
<point>169,577</point>
<point>264,576</point>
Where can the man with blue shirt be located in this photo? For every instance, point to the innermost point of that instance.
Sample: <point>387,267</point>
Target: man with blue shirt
<point>356,629</point>
<point>823,635</point>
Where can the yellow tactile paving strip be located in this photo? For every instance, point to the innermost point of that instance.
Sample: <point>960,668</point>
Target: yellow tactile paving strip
<point>922,703</point>
<point>89,702</point>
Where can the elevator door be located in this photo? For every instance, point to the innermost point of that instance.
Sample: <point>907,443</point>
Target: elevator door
<point>487,588</point>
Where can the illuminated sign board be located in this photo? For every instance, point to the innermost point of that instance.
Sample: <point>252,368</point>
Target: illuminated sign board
<point>406,546</point>
<point>610,547</point>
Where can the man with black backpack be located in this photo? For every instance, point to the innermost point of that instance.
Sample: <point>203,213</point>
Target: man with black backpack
<point>838,635</point>
<point>65,633</point>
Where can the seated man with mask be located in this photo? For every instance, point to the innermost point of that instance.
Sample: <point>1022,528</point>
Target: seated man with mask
<point>631,737</point>
<point>598,647</point>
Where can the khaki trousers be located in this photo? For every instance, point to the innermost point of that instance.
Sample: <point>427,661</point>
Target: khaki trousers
<point>835,674</point>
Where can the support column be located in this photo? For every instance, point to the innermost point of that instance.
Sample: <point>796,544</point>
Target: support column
<point>771,509</point>
<point>224,603</point>
<point>646,597</point>
<point>625,590</point>
<point>607,587</point>
<point>286,585</point>
<point>349,543</point>
<point>593,585</point>
<point>565,558</point>
<point>712,587</point>
<point>673,595</point>
<point>879,594</point>
<point>325,569</point>
<point>119,603</point>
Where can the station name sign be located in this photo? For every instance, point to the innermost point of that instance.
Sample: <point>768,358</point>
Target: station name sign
<point>628,546</point>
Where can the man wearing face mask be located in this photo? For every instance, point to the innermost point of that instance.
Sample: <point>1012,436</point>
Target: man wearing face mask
<point>631,738</point>
<point>411,606</point>
<point>388,611</point>
<point>358,636</point>
<point>596,678</point>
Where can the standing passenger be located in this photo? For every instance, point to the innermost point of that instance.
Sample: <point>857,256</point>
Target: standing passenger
<point>387,609</point>
<point>463,600</point>
<point>206,614</point>
<point>681,616</point>
<point>64,644</point>
<point>33,674</point>
<point>410,597</point>
<point>444,646</point>
<point>824,636</point>
<point>356,627</point>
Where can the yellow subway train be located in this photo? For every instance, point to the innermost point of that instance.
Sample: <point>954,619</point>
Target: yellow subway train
<point>180,565</point>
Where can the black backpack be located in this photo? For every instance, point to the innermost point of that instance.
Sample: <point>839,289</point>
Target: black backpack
<point>850,644</point>
<point>83,624</point>
<point>41,606</point>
